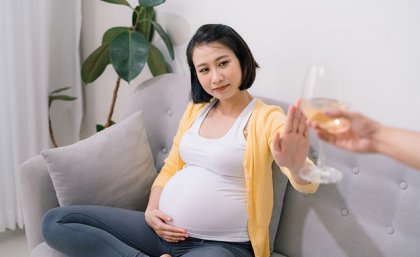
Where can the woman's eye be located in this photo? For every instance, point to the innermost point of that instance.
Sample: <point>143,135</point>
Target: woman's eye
<point>203,70</point>
<point>224,63</point>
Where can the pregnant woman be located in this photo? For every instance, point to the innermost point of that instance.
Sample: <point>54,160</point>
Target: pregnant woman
<point>214,195</point>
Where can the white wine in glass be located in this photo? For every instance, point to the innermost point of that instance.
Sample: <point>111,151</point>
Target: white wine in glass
<point>320,94</point>
<point>315,108</point>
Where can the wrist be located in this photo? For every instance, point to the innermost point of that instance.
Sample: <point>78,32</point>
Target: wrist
<point>299,180</point>
<point>296,175</point>
<point>151,208</point>
<point>384,140</point>
<point>379,136</point>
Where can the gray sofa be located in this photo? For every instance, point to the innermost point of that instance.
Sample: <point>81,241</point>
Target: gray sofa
<point>374,211</point>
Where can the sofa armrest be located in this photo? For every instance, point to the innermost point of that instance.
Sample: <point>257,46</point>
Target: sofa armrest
<point>38,196</point>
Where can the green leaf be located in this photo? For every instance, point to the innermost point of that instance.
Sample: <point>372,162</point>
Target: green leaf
<point>151,3</point>
<point>165,39</point>
<point>52,98</point>
<point>99,127</point>
<point>112,33</point>
<point>59,90</point>
<point>95,64</point>
<point>128,54</point>
<point>144,26</point>
<point>156,61</point>
<point>122,2</point>
<point>63,97</point>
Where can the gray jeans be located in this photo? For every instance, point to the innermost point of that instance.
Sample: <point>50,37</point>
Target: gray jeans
<point>99,231</point>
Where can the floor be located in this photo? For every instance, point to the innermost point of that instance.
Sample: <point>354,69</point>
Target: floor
<point>13,244</point>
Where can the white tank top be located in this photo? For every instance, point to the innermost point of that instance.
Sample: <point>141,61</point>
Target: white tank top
<point>207,197</point>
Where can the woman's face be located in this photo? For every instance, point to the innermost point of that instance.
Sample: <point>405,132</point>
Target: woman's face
<point>218,70</point>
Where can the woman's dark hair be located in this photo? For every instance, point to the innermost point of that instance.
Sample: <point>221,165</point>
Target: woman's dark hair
<point>227,36</point>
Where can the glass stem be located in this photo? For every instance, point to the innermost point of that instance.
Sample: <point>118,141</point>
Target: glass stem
<point>321,155</point>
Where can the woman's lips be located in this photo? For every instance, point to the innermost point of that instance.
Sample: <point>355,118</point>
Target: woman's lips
<point>218,89</point>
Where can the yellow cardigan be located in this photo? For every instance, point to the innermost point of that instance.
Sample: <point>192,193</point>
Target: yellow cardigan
<point>264,122</point>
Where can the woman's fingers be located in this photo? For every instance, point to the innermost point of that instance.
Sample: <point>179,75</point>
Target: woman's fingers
<point>303,127</point>
<point>290,120</point>
<point>174,236</point>
<point>170,232</point>
<point>296,120</point>
<point>166,231</point>
<point>163,216</point>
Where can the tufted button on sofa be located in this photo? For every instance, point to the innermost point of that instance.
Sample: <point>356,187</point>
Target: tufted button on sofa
<point>373,212</point>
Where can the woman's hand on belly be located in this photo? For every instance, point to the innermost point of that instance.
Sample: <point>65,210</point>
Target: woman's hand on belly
<point>156,219</point>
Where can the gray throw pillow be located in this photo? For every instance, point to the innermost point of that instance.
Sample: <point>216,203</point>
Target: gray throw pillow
<point>114,167</point>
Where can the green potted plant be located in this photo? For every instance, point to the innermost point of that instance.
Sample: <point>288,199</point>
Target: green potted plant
<point>128,49</point>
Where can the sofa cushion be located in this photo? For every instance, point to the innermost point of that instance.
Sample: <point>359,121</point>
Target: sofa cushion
<point>113,167</point>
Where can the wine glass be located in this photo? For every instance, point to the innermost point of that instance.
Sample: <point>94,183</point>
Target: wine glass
<point>320,93</point>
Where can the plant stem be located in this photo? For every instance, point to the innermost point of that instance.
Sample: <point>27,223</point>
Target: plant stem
<point>138,17</point>
<point>114,99</point>
<point>51,131</point>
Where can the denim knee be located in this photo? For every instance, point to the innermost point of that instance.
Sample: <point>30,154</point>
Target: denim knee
<point>49,223</point>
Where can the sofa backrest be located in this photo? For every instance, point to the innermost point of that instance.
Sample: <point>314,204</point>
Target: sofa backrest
<point>164,110</point>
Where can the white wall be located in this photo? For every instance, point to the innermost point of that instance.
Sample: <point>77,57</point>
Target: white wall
<point>378,41</point>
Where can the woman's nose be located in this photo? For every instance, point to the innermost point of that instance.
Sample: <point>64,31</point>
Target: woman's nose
<point>217,76</point>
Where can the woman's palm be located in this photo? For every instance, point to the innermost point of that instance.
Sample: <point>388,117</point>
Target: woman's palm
<point>291,147</point>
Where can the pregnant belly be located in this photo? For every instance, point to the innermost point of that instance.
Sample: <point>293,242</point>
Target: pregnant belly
<point>207,205</point>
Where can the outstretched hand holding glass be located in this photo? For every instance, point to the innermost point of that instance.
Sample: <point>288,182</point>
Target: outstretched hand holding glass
<point>365,135</point>
<point>352,131</point>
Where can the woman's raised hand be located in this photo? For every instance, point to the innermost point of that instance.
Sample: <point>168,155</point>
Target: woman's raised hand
<point>157,220</point>
<point>291,147</point>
